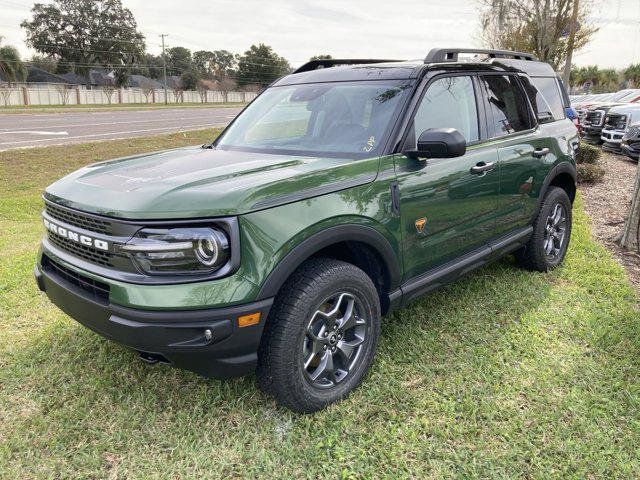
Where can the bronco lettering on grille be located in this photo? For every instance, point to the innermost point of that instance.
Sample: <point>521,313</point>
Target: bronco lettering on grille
<point>76,237</point>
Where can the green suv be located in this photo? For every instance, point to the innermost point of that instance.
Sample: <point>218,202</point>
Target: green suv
<point>344,191</point>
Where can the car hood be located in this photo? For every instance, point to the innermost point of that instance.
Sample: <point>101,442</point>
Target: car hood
<point>625,109</point>
<point>198,182</point>
<point>603,106</point>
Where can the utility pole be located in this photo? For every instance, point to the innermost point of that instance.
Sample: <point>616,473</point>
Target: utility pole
<point>570,43</point>
<point>164,67</point>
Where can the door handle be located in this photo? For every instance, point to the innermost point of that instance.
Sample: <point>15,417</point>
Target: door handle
<point>540,152</point>
<point>481,167</point>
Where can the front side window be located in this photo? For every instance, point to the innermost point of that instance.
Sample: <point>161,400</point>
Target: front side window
<point>508,108</point>
<point>448,103</point>
<point>350,119</point>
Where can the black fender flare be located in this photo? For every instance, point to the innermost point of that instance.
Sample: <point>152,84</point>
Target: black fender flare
<point>562,167</point>
<point>325,238</point>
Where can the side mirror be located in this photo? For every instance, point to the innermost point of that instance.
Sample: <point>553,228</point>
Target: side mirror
<point>439,143</point>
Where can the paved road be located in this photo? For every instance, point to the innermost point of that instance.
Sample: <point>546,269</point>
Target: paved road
<point>36,130</point>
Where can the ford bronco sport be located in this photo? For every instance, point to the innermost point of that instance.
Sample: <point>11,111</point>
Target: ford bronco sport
<point>344,191</point>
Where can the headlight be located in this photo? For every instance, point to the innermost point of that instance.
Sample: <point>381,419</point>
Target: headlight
<point>159,251</point>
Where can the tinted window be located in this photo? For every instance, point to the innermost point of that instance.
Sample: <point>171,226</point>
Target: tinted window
<point>548,88</point>
<point>541,108</point>
<point>448,103</point>
<point>508,107</point>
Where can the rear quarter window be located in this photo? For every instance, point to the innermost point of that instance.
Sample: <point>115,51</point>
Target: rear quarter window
<point>549,89</point>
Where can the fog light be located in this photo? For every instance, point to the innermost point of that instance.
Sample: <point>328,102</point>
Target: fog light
<point>208,335</point>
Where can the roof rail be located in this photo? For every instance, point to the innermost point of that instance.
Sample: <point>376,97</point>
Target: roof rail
<point>318,64</point>
<point>439,55</point>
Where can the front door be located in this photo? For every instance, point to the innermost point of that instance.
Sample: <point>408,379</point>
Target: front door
<point>446,209</point>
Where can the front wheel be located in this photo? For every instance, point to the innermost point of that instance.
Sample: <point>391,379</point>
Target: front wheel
<point>320,337</point>
<point>548,244</point>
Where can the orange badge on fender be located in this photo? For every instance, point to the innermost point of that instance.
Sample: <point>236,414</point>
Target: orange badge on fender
<point>420,224</point>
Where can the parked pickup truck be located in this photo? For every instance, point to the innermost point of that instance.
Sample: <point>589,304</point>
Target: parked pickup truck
<point>616,122</point>
<point>630,145</point>
<point>346,190</point>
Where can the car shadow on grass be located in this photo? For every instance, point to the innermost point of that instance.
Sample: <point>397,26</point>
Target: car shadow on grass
<point>442,331</point>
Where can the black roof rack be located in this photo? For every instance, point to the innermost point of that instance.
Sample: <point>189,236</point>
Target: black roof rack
<point>439,55</point>
<point>317,64</point>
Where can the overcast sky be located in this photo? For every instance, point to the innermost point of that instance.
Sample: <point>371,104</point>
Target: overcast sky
<point>297,29</point>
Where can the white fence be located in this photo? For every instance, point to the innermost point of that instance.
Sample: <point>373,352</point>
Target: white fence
<point>23,96</point>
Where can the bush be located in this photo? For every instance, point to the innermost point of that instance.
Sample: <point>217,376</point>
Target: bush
<point>588,154</point>
<point>590,173</point>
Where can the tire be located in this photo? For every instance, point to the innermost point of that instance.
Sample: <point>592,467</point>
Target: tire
<point>319,295</point>
<point>553,220</point>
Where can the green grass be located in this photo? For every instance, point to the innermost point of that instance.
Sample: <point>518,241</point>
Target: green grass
<point>505,374</point>
<point>113,106</point>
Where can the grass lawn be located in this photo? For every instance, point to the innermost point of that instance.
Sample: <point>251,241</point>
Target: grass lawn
<point>505,374</point>
<point>113,106</point>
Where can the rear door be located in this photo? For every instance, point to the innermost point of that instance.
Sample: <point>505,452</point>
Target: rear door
<point>522,149</point>
<point>445,209</point>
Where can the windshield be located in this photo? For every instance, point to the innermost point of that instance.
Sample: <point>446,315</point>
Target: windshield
<point>346,119</point>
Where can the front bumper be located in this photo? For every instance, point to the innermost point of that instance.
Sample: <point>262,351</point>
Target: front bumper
<point>175,336</point>
<point>591,134</point>
<point>631,150</point>
<point>612,140</point>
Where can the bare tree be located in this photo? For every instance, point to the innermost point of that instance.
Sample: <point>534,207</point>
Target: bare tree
<point>147,86</point>
<point>5,93</point>
<point>108,91</point>
<point>175,84</point>
<point>203,90</point>
<point>64,91</point>
<point>252,87</point>
<point>631,234</point>
<point>226,85</point>
<point>535,26</point>
<point>178,92</point>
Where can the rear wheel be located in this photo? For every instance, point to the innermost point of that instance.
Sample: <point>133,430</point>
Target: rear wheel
<point>548,244</point>
<point>321,335</point>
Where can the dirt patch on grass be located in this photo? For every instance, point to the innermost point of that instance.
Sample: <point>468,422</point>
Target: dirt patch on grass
<point>607,205</point>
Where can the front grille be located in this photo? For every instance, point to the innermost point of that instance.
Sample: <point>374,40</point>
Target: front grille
<point>85,252</point>
<point>98,291</point>
<point>594,118</point>
<point>617,121</point>
<point>78,219</point>
<point>633,133</point>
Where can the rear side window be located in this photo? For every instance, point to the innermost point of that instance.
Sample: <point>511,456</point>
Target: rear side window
<point>549,89</point>
<point>508,109</point>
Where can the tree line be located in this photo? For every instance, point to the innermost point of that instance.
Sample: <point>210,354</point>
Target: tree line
<point>80,35</point>
<point>596,80</point>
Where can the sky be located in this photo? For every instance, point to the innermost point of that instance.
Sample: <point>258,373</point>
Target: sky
<point>298,29</point>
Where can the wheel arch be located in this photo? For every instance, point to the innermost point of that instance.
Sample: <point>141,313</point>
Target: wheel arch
<point>563,175</point>
<point>360,245</point>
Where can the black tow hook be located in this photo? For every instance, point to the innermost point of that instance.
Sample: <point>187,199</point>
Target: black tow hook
<point>151,358</point>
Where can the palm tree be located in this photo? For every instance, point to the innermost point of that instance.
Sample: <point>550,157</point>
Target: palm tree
<point>577,78</point>
<point>11,67</point>
<point>608,80</point>
<point>632,74</point>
